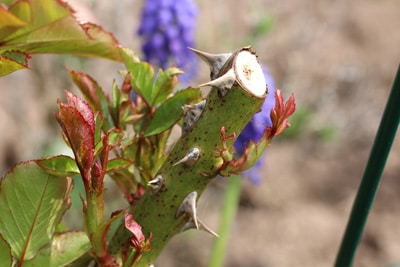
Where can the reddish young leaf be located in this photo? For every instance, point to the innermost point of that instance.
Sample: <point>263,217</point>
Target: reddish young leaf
<point>126,84</point>
<point>281,113</point>
<point>97,176</point>
<point>137,238</point>
<point>252,153</point>
<point>88,86</point>
<point>76,118</point>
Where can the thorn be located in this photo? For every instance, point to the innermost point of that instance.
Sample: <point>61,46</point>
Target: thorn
<point>191,113</point>
<point>223,83</point>
<point>202,226</point>
<point>208,175</point>
<point>188,206</point>
<point>156,184</point>
<point>214,61</point>
<point>190,158</point>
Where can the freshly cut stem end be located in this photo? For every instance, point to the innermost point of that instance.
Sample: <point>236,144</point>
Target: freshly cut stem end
<point>249,74</point>
<point>240,68</point>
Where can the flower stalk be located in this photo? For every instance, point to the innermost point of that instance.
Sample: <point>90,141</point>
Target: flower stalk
<point>371,178</point>
<point>228,212</point>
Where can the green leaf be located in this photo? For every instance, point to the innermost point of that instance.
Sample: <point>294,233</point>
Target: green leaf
<point>171,111</point>
<point>9,22</point>
<point>118,164</point>
<point>53,28</point>
<point>5,253</point>
<point>59,165</point>
<point>63,249</point>
<point>115,108</point>
<point>141,74</point>
<point>36,14</point>
<point>114,137</point>
<point>98,119</point>
<point>84,40</point>
<point>48,26</point>
<point>32,203</point>
<point>142,79</point>
<point>9,65</point>
<point>128,56</point>
<point>164,85</point>
<point>18,56</point>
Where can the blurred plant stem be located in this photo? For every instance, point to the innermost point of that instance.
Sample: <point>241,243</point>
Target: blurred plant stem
<point>229,208</point>
<point>371,178</point>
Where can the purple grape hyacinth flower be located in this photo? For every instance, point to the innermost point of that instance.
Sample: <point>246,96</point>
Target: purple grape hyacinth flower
<point>167,29</point>
<point>255,128</point>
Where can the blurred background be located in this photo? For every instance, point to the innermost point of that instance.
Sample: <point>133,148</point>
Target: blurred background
<point>339,58</point>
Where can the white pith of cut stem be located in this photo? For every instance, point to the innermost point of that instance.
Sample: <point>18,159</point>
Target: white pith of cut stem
<point>249,74</point>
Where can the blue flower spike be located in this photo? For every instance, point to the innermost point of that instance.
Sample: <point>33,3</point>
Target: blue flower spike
<point>167,29</point>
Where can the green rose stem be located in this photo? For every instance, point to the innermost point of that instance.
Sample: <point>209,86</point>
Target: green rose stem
<point>231,109</point>
<point>371,178</point>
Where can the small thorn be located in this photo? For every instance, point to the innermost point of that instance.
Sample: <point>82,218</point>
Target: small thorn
<point>223,83</point>
<point>188,206</point>
<point>190,158</point>
<point>191,113</point>
<point>156,184</point>
<point>214,61</point>
<point>208,175</point>
<point>202,226</point>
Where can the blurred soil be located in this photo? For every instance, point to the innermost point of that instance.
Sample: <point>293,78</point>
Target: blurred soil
<point>339,58</point>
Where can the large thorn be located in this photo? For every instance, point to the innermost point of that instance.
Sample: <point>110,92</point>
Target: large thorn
<point>214,61</point>
<point>190,225</point>
<point>191,113</point>
<point>223,83</point>
<point>190,158</point>
<point>188,206</point>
